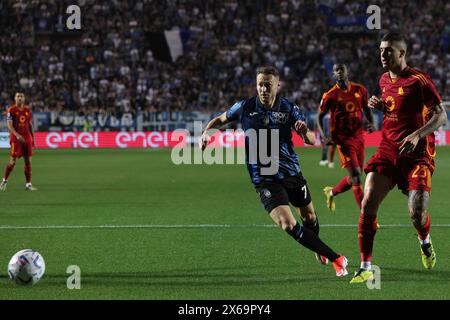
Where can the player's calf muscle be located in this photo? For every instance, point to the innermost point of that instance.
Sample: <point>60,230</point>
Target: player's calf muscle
<point>307,213</point>
<point>418,205</point>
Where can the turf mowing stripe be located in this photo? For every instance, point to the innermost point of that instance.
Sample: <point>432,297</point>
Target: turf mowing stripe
<point>194,226</point>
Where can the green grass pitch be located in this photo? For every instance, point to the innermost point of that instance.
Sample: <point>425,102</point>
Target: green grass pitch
<point>238,258</point>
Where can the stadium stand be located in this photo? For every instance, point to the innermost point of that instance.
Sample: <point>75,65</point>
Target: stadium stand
<point>109,66</point>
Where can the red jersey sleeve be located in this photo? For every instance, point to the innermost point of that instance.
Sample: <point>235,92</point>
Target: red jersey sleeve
<point>325,103</point>
<point>430,95</point>
<point>364,96</point>
<point>9,115</point>
<point>30,114</point>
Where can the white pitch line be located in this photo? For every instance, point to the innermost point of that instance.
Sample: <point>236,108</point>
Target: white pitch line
<point>198,226</point>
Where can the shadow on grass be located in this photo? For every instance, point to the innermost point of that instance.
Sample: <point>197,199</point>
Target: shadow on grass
<point>427,275</point>
<point>214,276</point>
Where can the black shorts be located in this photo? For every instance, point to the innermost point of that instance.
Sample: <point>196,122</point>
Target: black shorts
<point>291,189</point>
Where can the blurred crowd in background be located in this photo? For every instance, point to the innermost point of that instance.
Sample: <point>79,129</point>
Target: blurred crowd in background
<point>109,66</point>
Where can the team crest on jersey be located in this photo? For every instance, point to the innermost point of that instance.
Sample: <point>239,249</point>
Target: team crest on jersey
<point>350,107</point>
<point>400,91</point>
<point>390,103</point>
<point>357,95</point>
<point>279,117</point>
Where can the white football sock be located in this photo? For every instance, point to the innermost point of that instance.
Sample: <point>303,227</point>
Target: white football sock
<point>426,241</point>
<point>366,265</point>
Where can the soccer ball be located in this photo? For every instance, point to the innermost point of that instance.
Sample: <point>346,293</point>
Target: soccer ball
<point>26,267</point>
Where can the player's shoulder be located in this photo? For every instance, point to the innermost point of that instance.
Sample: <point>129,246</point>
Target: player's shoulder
<point>358,86</point>
<point>243,105</point>
<point>330,91</point>
<point>248,103</point>
<point>384,77</point>
<point>417,75</point>
<point>287,105</point>
<point>11,108</point>
<point>285,102</point>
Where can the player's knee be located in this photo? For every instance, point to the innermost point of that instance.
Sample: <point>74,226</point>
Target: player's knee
<point>12,161</point>
<point>311,217</point>
<point>355,176</point>
<point>356,179</point>
<point>369,204</point>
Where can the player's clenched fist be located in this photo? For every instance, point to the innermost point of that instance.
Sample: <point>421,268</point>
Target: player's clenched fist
<point>203,141</point>
<point>301,127</point>
<point>375,103</point>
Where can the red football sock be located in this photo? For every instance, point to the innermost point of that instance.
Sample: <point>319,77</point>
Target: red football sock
<point>367,227</point>
<point>332,151</point>
<point>27,171</point>
<point>9,168</point>
<point>343,185</point>
<point>424,230</point>
<point>358,193</point>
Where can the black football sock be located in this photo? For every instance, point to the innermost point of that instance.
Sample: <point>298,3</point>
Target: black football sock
<point>310,240</point>
<point>324,153</point>
<point>313,226</point>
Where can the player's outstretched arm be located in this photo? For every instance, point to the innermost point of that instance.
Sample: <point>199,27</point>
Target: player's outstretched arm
<point>215,123</point>
<point>438,119</point>
<point>307,135</point>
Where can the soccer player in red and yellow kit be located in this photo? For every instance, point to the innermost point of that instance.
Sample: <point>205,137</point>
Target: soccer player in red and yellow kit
<point>346,102</point>
<point>413,110</point>
<point>19,120</point>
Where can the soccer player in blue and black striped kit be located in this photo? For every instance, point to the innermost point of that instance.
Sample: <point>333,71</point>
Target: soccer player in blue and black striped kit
<point>278,117</point>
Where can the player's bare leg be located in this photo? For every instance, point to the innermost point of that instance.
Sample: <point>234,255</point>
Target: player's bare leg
<point>310,221</point>
<point>332,152</point>
<point>324,160</point>
<point>9,168</point>
<point>283,217</point>
<point>27,171</point>
<point>417,207</point>
<point>376,188</point>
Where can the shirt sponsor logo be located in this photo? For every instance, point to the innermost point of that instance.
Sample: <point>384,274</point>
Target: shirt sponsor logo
<point>390,103</point>
<point>279,117</point>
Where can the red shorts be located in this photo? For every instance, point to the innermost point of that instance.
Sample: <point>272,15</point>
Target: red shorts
<point>408,173</point>
<point>21,149</point>
<point>351,153</point>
